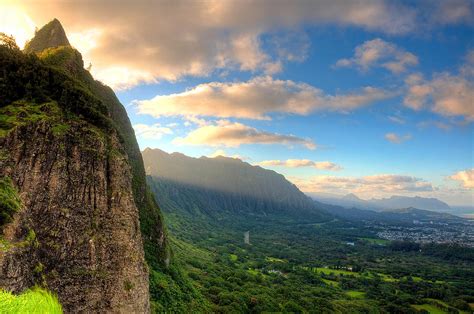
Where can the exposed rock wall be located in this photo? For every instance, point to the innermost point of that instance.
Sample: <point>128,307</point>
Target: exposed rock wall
<point>78,230</point>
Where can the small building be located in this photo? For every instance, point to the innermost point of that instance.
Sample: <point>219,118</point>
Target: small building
<point>247,237</point>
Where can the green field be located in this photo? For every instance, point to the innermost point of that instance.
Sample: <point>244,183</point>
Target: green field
<point>430,308</point>
<point>328,271</point>
<point>330,282</point>
<point>356,294</point>
<point>376,241</point>
<point>275,260</point>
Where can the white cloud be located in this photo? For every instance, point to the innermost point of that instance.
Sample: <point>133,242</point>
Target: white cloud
<point>155,131</point>
<point>368,186</point>
<point>466,178</point>
<point>453,12</point>
<point>445,93</point>
<point>232,134</point>
<point>156,40</point>
<point>255,99</point>
<point>298,163</point>
<point>379,53</point>
<point>467,69</point>
<point>397,139</point>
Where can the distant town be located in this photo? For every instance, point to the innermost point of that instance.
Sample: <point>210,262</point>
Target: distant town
<point>454,232</point>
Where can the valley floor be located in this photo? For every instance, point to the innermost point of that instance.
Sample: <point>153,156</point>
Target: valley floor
<point>334,266</point>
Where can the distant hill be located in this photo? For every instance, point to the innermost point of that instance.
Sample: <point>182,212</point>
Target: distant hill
<point>225,185</point>
<point>393,216</point>
<point>394,202</point>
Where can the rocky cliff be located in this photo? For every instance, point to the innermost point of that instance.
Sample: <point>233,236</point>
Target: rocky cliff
<point>76,213</point>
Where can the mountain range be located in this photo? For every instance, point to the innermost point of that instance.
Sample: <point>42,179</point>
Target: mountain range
<point>229,188</point>
<point>383,204</point>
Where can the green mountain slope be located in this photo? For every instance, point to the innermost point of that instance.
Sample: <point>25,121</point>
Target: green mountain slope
<point>222,186</point>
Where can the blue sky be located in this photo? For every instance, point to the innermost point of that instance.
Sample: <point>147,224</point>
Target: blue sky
<point>374,98</point>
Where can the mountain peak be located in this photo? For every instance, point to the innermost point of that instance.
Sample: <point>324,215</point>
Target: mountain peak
<point>49,36</point>
<point>352,197</point>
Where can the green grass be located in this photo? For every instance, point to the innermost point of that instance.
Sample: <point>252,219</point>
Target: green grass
<point>331,282</point>
<point>275,260</point>
<point>233,257</point>
<point>376,241</point>
<point>35,301</point>
<point>328,271</point>
<point>9,201</point>
<point>430,308</point>
<point>356,294</point>
<point>387,278</point>
<point>24,112</point>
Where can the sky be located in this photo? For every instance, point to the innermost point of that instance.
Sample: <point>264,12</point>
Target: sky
<point>368,97</point>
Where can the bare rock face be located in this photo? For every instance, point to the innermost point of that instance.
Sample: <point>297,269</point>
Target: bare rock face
<point>77,231</point>
<point>50,35</point>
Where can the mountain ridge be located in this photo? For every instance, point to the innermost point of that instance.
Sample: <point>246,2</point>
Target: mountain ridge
<point>248,188</point>
<point>390,203</point>
<point>86,220</point>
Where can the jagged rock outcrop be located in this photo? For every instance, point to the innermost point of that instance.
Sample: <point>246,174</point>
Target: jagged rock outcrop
<point>50,35</point>
<point>86,219</point>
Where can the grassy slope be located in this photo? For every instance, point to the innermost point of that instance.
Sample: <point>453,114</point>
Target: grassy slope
<point>32,301</point>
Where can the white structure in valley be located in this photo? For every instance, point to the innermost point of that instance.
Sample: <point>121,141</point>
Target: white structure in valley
<point>247,237</point>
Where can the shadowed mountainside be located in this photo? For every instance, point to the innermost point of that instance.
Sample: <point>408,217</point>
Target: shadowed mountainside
<point>224,184</point>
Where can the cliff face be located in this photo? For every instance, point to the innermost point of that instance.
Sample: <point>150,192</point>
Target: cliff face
<point>70,155</point>
<point>77,231</point>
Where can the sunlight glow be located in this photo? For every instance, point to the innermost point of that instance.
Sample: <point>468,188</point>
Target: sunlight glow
<point>13,21</point>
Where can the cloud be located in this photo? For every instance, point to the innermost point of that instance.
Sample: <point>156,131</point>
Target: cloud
<point>155,131</point>
<point>369,186</point>
<point>466,178</point>
<point>156,40</point>
<point>397,139</point>
<point>467,69</point>
<point>453,12</point>
<point>298,163</point>
<point>379,53</point>
<point>445,93</point>
<point>255,99</point>
<point>397,120</point>
<point>232,134</point>
<point>438,124</point>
